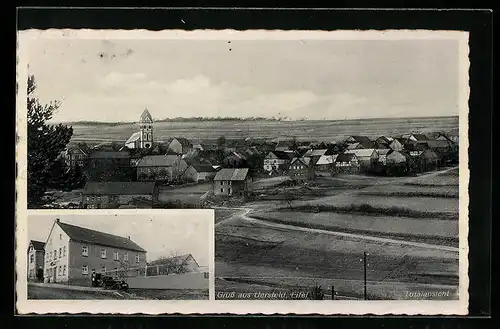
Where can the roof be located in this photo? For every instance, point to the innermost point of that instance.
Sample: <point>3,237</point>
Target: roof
<point>109,155</point>
<point>135,136</point>
<point>420,137</point>
<point>385,139</point>
<point>327,159</point>
<point>146,115</point>
<point>438,144</point>
<point>37,245</point>
<point>353,146</point>
<point>179,259</point>
<point>82,234</point>
<point>312,153</point>
<point>383,151</point>
<point>361,153</point>
<point>183,141</point>
<point>345,157</point>
<point>361,139</point>
<point>158,160</point>
<point>399,139</point>
<point>232,174</point>
<point>119,188</point>
<point>82,147</point>
<point>280,155</point>
<point>416,146</point>
<point>305,161</point>
<point>202,167</point>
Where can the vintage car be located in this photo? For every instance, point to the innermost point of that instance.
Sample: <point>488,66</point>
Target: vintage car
<point>108,282</point>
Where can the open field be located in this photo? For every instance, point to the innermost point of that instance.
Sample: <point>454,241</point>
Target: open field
<point>312,130</point>
<point>283,250</point>
<point>170,294</point>
<point>188,194</point>
<point>386,225</point>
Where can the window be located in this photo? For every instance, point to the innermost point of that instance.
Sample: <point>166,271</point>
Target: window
<point>221,190</point>
<point>229,183</point>
<point>60,252</point>
<point>85,269</point>
<point>60,236</point>
<point>32,258</point>
<point>103,253</point>
<point>64,269</point>
<point>103,269</point>
<point>137,258</point>
<point>125,257</point>
<point>205,275</point>
<point>229,190</point>
<point>85,251</point>
<point>115,255</point>
<point>64,251</point>
<point>60,270</point>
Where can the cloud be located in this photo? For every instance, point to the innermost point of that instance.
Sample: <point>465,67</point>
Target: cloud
<point>116,79</point>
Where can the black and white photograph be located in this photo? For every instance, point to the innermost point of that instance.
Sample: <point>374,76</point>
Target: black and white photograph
<point>335,162</point>
<point>80,256</point>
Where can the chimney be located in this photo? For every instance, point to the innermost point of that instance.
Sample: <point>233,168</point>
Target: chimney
<point>58,220</point>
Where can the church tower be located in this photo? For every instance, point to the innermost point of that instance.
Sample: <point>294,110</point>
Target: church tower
<point>146,124</point>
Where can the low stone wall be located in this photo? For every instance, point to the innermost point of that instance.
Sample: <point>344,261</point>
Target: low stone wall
<point>172,281</point>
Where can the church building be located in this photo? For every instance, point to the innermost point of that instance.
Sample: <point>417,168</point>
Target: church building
<point>142,139</point>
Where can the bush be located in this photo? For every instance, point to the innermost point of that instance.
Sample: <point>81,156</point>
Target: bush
<point>316,293</point>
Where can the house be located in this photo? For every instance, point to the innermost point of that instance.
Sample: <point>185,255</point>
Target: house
<point>367,157</point>
<point>143,139</point>
<point>416,149</point>
<point>73,253</point>
<point>76,155</point>
<point>109,166</point>
<point>179,145</point>
<point>354,146</point>
<point>277,161</point>
<point>382,155</point>
<point>429,160</point>
<point>177,264</point>
<point>36,256</point>
<point>326,162</point>
<point>397,144</point>
<point>112,195</point>
<point>301,169</point>
<point>346,163</point>
<point>161,168</point>
<point>234,159</point>
<point>232,181</point>
<point>199,172</point>
<point>395,158</point>
<point>364,141</point>
<point>285,145</point>
<point>384,140</point>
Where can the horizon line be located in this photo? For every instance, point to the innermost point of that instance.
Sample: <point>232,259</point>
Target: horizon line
<point>245,119</point>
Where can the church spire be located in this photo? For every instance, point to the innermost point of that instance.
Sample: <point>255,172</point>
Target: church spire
<point>146,124</point>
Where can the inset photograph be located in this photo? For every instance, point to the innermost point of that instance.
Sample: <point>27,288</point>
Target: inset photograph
<point>110,256</point>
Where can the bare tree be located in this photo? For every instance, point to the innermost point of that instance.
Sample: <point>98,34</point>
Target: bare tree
<point>124,269</point>
<point>288,197</point>
<point>174,264</point>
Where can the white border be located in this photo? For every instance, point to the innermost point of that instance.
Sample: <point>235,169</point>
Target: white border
<point>408,307</point>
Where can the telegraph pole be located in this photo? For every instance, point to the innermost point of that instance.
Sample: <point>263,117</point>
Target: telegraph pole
<point>364,269</point>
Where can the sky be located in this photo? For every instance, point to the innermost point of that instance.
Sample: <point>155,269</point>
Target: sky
<point>177,234</point>
<point>115,79</point>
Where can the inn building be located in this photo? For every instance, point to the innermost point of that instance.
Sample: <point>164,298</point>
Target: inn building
<point>73,253</point>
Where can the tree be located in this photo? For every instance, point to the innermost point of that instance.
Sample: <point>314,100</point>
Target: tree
<point>45,143</point>
<point>175,264</point>
<point>316,293</point>
<point>221,141</point>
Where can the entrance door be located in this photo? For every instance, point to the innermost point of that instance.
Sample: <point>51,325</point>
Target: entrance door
<point>39,274</point>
